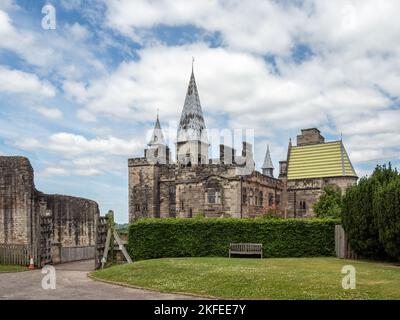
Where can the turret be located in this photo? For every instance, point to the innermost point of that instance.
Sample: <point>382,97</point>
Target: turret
<point>157,150</point>
<point>268,167</point>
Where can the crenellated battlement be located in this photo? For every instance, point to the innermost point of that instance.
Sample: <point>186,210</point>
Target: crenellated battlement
<point>142,161</point>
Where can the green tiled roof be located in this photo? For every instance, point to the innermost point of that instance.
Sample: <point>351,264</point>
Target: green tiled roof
<point>320,160</point>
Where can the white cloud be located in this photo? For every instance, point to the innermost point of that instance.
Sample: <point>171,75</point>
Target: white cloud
<point>51,172</point>
<point>64,52</point>
<point>343,87</point>
<point>50,113</point>
<point>71,145</point>
<point>20,82</point>
<point>258,26</point>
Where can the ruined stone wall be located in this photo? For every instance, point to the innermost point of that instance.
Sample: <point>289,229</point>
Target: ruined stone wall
<point>40,221</point>
<point>74,220</point>
<point>16,200</point>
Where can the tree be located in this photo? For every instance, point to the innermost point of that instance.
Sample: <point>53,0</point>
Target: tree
<point>359,221</point>
<point>371,214</point>
<point>330,203</point>
<point>387,213</point>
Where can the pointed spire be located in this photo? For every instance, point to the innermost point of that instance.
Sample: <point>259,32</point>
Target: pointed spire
<point>267,160</point>
<point>268,167</point>
<point>157,137</point>
<point>191,124</point>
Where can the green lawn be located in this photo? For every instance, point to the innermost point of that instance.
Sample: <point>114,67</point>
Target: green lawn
<point>12,268</point>
<point>241,278</point>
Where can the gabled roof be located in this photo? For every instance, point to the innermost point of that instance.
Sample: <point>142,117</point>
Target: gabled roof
<point>267,160</point>
<point>157,137</point>
<point>191,124</point>
<point>320,160</point>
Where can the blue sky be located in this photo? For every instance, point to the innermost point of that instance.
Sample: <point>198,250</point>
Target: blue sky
<point>81,99</point>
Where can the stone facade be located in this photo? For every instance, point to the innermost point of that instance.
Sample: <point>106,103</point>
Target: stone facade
<point>194,184</point>
<point>300,194</point>
<point>230,186</point>
<point>26,214</point>
<point>213,190</point>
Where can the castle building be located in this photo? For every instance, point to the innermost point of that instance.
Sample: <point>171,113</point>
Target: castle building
<point>194,185</point>
<point>310,166</point>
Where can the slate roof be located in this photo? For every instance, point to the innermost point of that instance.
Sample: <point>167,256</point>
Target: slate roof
<point>267,160</point>
<point>157,137</point>
<point>191,124</point>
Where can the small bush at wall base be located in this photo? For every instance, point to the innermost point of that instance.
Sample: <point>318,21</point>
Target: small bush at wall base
<point>158,238</point>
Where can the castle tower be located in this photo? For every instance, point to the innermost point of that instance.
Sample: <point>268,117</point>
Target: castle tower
<point>268,167</point>
<point>157,150</point>
<point>192,141</point>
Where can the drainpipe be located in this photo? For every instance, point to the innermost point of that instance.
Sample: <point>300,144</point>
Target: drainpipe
<point>241,197</point>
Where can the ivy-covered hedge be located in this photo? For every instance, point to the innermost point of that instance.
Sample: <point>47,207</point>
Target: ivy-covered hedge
<point>157,238</point>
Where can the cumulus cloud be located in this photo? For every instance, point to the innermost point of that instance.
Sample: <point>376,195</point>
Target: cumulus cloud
<point>54,172</point>
<point>71,145</point>
<point>50,113</point>
<point>250,76</point>
<point>20,82</point>
<point>259,27</point>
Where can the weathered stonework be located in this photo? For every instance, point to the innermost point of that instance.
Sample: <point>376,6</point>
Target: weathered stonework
<point>44,223</point>
<point>230,186</point>
<point>176,190</point>
<point>17,195</point>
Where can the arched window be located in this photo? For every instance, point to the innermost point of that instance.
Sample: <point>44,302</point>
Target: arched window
<point>270,199</point>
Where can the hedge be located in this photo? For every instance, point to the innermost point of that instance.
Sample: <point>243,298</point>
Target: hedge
<point>157,238</point>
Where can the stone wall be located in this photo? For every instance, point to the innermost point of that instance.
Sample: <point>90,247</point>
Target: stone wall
<point>261,195</point>
<point>143,181</point>
<point>303,193</point>
<point>215,190</point>
<point>74,220</point>
<point>17,193</point>
<point>24,211</point>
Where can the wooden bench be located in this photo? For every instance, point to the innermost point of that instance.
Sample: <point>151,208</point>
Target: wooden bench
<point>245,248</point>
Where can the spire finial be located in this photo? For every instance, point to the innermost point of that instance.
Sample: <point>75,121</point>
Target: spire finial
<point>341,136</point>
<point>158,110</point>
<point>192,62</point>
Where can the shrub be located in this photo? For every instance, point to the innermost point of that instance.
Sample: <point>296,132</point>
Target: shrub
<point>330,203</point>
<point>157,238</point>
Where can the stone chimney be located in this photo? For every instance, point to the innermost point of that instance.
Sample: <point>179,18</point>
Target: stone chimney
<point>282,169</point>
<point>309,137</point>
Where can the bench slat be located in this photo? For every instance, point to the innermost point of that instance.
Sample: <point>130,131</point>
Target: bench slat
<point>245,248</point>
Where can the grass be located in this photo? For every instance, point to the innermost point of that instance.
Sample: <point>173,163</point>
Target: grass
<point>243,278</point>
<point>12,268</point>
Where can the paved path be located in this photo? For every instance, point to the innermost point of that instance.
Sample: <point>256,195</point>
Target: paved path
<point>72,282</point>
